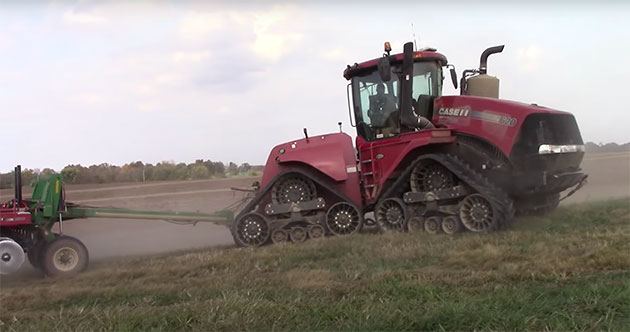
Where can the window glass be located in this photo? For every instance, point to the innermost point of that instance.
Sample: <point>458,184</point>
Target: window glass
<point>376,103</point>
<point>426,80</point>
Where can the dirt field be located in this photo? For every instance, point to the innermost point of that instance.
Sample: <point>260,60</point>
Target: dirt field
<point>609,176</point>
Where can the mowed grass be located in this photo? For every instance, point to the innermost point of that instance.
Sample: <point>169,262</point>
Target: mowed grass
<point>567,271</point>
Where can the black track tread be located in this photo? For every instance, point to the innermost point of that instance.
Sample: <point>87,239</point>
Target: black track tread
<point>502,203</point>
<point>318,179</point>
<point>497,197</point>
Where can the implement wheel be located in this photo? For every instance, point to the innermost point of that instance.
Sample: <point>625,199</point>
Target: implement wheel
<point>293,189</point>
<point>391,215</point>
<point>478,214</point>
<point>64,257</point>
<point>343,218</point>
<point>34,255</point>
<point>251,230</point>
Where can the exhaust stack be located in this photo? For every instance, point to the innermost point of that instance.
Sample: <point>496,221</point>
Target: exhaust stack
<point>482,84</point>
<point>483,61</point>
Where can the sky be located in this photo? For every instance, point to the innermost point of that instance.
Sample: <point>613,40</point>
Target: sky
<point>113,82</point>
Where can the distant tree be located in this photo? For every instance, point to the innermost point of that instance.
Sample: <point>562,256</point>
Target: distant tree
<point>164,171</point>
<point>47,172</point>
<point>181,172</point>
<point>244,168</point>
<point>232,169</point>
<point>71,173</point>
<point>199,172</point>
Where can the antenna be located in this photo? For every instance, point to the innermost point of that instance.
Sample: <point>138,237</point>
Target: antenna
<point>413,34</point>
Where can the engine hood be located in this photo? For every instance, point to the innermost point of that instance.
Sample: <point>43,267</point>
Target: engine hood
<point>497,121</point>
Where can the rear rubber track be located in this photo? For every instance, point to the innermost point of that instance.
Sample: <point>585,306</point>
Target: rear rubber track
<point>466,174</point>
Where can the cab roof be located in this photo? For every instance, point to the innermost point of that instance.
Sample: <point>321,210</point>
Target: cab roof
<point>424,55</point>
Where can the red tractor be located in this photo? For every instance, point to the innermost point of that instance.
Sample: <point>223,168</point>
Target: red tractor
<point>422,160</point>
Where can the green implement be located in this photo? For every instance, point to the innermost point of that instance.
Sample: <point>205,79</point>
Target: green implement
<point>27,227</point>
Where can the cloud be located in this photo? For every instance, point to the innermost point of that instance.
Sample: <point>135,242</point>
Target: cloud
<point>530,58</point>
<point>275,33</point>
<point>270,33</point>
<point>199,26</point>
<point>73,17</point>
<point>190,56</point>
<point>335,55</point>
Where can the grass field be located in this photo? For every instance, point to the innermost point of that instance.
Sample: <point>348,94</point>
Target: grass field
<point>570,270</point>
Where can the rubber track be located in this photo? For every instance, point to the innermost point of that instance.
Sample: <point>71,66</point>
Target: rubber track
<point>320,180</point>
<point>497,197</point>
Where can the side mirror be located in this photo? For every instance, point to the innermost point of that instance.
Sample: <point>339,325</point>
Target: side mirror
<point>384,69</point>
<point>453,76</point>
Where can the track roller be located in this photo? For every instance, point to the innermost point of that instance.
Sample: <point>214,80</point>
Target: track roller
<point>343,218</point>
<point>298,234</point>
<point>251,230</point>
<point>433,225</point>
<point>451,225</point>
<point>415,224</point>
<point>279,236</point>
<point>316,231</point>
<point>391,214</point>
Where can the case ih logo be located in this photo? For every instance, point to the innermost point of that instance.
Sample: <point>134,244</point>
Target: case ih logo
<point>486,116</point>
<point>454,111</point>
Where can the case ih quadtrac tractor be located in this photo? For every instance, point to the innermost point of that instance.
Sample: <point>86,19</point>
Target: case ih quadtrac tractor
<point>422,160</point>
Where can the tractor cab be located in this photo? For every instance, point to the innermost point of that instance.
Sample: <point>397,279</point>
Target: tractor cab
<point>394,94</point>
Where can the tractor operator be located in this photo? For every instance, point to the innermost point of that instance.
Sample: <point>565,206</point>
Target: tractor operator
<point>382,105</point>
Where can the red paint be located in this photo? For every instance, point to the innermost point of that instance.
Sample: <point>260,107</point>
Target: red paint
<point>424,55</point>
<point>11,215</point>
<point>500,135</point>
<point>396,58</point>
<point>379,159</point>
<point>331,154</point>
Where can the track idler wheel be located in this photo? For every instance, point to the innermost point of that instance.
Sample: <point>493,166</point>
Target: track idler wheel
<point>279,236</point>
<point>451,225</point>
<point>293,189</point>
<point>298,234</point>
<point>433,225</point>
<point>391,215</point>
<point>316,232</point>
<point>251,230</point>
<point>11,256</point>
<point>343,218</point>
<point>478,214</point>
<point>63,257</point>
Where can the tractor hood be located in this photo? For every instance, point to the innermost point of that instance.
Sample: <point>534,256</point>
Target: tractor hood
<point>497,121</point>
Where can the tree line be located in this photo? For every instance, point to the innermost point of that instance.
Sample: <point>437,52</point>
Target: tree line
<point>137,172</point>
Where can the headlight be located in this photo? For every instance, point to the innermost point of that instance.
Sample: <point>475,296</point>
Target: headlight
<point>548,148</point>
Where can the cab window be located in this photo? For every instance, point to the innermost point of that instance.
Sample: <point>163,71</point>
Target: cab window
<point>376,109</point>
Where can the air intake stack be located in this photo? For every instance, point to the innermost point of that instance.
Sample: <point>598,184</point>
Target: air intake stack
<point>482,84</point>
